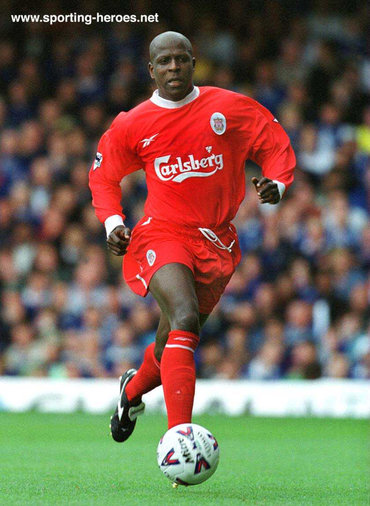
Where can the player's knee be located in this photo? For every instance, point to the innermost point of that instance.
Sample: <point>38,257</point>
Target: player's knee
<point>186,318</point>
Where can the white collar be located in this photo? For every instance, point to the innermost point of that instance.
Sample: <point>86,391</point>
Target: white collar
<point>170,104</point>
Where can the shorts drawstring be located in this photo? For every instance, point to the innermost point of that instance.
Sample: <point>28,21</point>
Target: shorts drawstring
<point>211,236</point>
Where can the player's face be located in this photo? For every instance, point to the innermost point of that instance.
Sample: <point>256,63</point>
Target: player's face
<point>172,69</point>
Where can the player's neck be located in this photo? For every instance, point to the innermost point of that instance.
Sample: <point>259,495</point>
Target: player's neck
<point>174,104</point>
<point>166,96</point>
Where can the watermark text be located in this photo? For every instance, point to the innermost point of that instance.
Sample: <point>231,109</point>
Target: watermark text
<point>86,19</point>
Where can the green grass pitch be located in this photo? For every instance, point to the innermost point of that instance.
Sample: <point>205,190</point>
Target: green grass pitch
<point>71,460</point>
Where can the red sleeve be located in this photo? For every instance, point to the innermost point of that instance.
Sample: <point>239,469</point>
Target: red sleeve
<point>114,160</point>
<point>270,147</point>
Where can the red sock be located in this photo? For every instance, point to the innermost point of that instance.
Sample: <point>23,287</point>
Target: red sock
<point>147,377</point>
<point>178,376</point>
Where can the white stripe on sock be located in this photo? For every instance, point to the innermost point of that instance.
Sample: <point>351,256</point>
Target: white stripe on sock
<point>179,346</point>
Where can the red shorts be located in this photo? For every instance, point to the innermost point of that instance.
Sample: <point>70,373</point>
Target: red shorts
<point>155,243</point>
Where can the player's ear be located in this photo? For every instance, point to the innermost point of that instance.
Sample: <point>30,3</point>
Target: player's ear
<point>151,69</point>
<point>194,62</point>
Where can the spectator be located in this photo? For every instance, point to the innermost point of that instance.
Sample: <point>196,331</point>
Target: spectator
<point>267,364</point>
<point>304,362</point>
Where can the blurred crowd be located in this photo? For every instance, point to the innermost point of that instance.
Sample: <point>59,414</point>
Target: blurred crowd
<point>298,304</point>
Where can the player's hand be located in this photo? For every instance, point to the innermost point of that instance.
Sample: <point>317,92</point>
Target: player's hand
<point>118,240</point>
<point>267,190</point>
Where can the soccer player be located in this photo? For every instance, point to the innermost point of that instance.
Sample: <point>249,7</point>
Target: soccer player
<point>192,144</point>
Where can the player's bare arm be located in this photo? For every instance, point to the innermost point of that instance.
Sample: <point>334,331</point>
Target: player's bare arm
<point>118,240</point>
<point>267,190</point>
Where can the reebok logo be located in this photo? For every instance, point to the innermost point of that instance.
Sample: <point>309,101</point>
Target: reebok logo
<point>190,167</point>
<point>146,142</point>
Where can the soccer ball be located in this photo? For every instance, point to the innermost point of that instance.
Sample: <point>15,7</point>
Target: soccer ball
<point>188,454</point>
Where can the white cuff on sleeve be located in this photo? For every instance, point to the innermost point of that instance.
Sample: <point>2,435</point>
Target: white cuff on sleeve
<point>112,222</point>
<point>281,188</point>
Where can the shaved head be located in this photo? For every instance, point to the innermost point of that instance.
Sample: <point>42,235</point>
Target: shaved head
<point>172,65</point>
<point>168,39</point>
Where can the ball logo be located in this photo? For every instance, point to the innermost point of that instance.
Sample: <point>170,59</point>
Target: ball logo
<point>212,438</point>
<point>151,256</point>
<point>188,433</point>
<point>168,460</point>
<point>218,123</point>
<point>200,463</point>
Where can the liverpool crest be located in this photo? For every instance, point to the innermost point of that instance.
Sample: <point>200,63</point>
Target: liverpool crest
<point>151,256</point>
<point>218,123</point>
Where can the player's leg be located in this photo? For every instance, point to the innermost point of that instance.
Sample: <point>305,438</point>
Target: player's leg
<point>148,376</point>
<point>161,336</point>
<point>163,331</point>
<point>134,384</point>
<point>173,287</point>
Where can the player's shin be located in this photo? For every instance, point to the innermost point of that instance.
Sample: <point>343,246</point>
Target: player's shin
<point>178,376</point>
<point>147,377</point>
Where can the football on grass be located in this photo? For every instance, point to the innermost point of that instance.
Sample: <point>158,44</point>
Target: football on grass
<point>188,454</point>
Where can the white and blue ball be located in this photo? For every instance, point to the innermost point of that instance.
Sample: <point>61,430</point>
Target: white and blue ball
<point>188,454</point>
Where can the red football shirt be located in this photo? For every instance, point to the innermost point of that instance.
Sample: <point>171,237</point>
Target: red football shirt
<point>193,153</point>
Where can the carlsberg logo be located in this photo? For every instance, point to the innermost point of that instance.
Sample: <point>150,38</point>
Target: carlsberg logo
<point>183,169</point>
